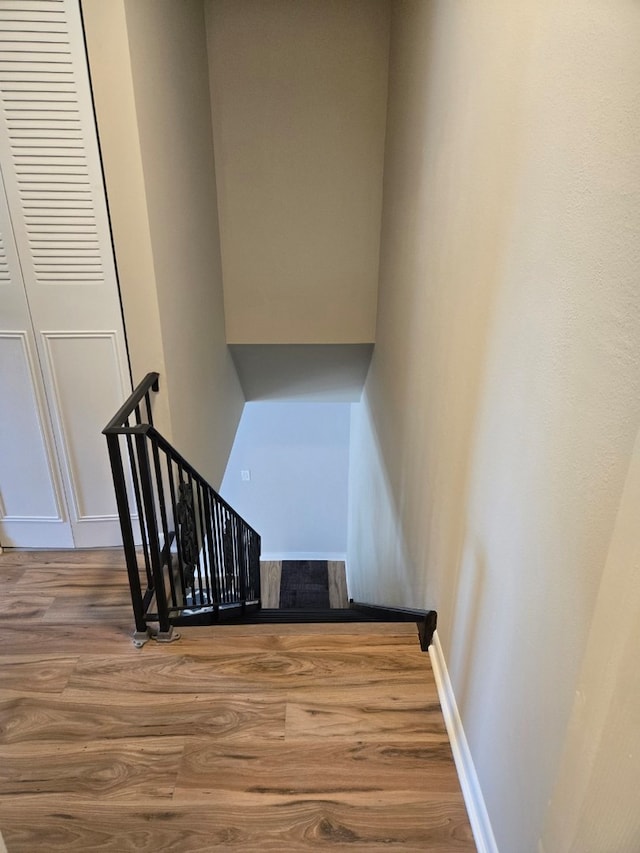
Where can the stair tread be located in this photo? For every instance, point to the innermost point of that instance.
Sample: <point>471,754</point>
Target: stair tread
<point>284,615</point>
<point>344,614</point>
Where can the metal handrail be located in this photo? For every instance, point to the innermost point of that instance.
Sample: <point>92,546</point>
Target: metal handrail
<point>153,433</point>
<point>141,391</point>
<point>216,558</point>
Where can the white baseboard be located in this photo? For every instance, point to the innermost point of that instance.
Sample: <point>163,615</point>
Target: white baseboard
<point>302,555</point>
<point>478,815</point>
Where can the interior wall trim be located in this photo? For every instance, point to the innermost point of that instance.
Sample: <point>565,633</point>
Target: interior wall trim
<point>469,782</point>
<point>39,408</point>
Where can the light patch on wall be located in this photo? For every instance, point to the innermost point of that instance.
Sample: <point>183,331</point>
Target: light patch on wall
<point>295,457</point>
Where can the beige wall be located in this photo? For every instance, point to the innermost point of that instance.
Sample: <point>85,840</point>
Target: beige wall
<point>595,801</point>
<point>299,99</point>
<point>167,219</point>
<point>489,455</point>
<point>108,49</point>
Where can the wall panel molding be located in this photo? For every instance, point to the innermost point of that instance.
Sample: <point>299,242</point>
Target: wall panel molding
<point>46,439</point>
<point>63,387</point>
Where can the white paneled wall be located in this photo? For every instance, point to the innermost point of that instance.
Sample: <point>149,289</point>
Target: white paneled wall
<point>63,361</point>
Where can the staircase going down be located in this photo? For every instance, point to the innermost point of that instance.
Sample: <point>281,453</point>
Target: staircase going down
<point>191,558</point>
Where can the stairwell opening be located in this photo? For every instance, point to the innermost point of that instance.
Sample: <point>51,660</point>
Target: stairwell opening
<point>288,476</point>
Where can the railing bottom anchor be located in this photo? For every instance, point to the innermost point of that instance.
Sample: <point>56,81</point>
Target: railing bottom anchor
<point>141,637</point>
<point>169,636</point>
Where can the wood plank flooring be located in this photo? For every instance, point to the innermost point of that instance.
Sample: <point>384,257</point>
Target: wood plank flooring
<point>270,576</point>
<point>238,738</point>
<point>338,596</point>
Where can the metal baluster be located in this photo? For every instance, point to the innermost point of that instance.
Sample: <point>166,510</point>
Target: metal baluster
<point>122,501</point>
<point>163,519</point>
<point>234,547</point>
<point>147,401</point>
<point>196,554</point>
<point>186,535</point>
<point>141,517</point>
<point>174,512</point>
<point>230,546</point>
<point>204,549</point>
<point>242,574</point>
<point>250,569</point>
<point>152,527</point>
<point>213,561</point>
<point>257,547</point>
<point>217,532</point>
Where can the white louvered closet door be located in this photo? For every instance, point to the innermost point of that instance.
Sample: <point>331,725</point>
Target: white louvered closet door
<point>57,209</point>
<point>33,510</point>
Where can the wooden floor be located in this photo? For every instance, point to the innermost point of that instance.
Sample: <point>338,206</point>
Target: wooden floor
<point>257,738</point>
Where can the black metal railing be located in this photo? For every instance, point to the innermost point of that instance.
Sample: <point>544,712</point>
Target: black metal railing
<point>187,551</point>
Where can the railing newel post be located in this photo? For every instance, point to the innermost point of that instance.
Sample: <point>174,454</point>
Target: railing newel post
<point>128,541</point>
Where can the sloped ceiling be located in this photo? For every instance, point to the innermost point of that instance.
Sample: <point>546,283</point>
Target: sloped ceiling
<point>313,373</point>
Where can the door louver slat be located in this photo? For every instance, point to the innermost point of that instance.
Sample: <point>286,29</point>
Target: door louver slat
<point>46,142</point>
<point>4,264</point>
